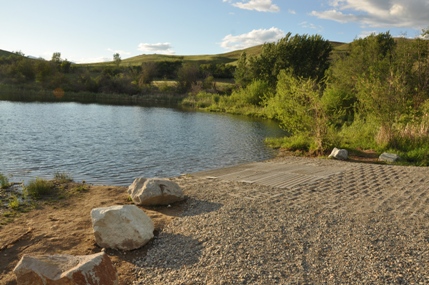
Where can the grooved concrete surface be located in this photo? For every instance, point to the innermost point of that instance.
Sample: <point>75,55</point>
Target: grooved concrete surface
<point>279,175</point>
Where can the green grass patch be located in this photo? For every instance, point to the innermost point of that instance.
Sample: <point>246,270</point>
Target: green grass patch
<point>81,188</point>
<point>299,143</point>
<point>38,188</point>
<point>4,181</point>
<point>201,100</point>
<point>14,203</point>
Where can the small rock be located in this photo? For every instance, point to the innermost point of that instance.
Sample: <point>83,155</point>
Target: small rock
<point>341,154</point>
<point>154,192</point>
<point>95,269</point>
<point>388,157</point>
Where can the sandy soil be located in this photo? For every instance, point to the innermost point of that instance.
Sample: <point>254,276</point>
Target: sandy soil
<point>64,227</point>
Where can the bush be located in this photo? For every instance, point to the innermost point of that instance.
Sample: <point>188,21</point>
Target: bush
<point>252,94</point>
<point>201,100</point>
<point>62,177</point>
<point>360,134</point>
<point>4,181</point>
<point>418,156</point>
<point>38,188</point>
<point>14,203</point>
<point>297,105</point>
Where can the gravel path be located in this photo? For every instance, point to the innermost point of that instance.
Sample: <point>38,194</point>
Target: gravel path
<point>368,224</point>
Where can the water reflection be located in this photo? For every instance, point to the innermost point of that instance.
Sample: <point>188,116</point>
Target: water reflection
<point>106,144</point>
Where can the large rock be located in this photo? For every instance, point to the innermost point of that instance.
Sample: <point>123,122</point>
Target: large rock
<point>121,227</point>
<point>95,269</point>
<point>341,154</point>
<point>155,191</point>
<point>388,157</point>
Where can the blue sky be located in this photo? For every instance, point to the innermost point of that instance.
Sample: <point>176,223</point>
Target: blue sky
<point>93,30</point>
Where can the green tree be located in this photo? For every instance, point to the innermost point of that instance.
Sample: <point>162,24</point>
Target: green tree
<point>187,75</point>
<point>242,72</point>
<point>425,33</point>
<point>56,57</point>
<point>43,71</point>
<point>307,56</point>
<point>65,66</point>
<point>367,57</point>
<point>298,106</point>
<point>117,59</point>
<point>148,73</point>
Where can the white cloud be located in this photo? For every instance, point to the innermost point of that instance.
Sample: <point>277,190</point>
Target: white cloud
<point>161,48</point>
<point>121,52</point>
<point>253,38</point>
<point>365,34</point>
<point>308,25</point>
<point>290,11</point>
<point>257,5</point>
<point>378,13</point>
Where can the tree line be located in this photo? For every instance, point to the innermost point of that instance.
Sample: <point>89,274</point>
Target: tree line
<point>374,95</point>
<point>16,69</point>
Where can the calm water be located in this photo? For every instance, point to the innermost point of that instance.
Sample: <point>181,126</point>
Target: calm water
<point>104,144</point>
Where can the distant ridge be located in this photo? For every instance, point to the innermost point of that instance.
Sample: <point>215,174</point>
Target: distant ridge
<point>5,53</point>
<point>226,58</point>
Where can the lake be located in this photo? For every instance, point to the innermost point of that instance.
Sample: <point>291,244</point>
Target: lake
<point>112,145</point>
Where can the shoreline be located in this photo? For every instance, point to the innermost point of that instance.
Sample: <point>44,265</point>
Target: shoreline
<point>366,223</point>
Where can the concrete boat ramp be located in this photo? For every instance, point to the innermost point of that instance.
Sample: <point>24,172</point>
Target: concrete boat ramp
<point>275,174</point>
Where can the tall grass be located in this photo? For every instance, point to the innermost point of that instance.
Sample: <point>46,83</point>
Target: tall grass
<point>38,188</point>
<point>62,177</point>
<point>4,181</point>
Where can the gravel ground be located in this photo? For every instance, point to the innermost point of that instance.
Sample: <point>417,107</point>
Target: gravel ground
<point>366,225</point>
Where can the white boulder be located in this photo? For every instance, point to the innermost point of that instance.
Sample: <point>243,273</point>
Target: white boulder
<point>95,269</point>
<point>121,227</point>
<point>338,153</point>
<point>155,191</point>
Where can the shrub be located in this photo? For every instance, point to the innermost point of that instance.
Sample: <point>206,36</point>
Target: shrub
<point>13,203</point>
<point>62,177</point>
<point>38,188</point>
<point>360,134</point>
<point>297,105</point>
<point>4,181</point>
<point>418,156</point>
<point>252,94</point>
<point>201,100</point>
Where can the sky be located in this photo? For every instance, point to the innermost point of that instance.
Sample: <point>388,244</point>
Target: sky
<point>85,31</point>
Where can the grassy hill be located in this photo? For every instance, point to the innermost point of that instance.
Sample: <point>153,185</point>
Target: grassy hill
<point>5,53</point>
<point>227,58</point>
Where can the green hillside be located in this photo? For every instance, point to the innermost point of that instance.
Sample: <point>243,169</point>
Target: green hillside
<point>226,58</point>
<point>5,53</point>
